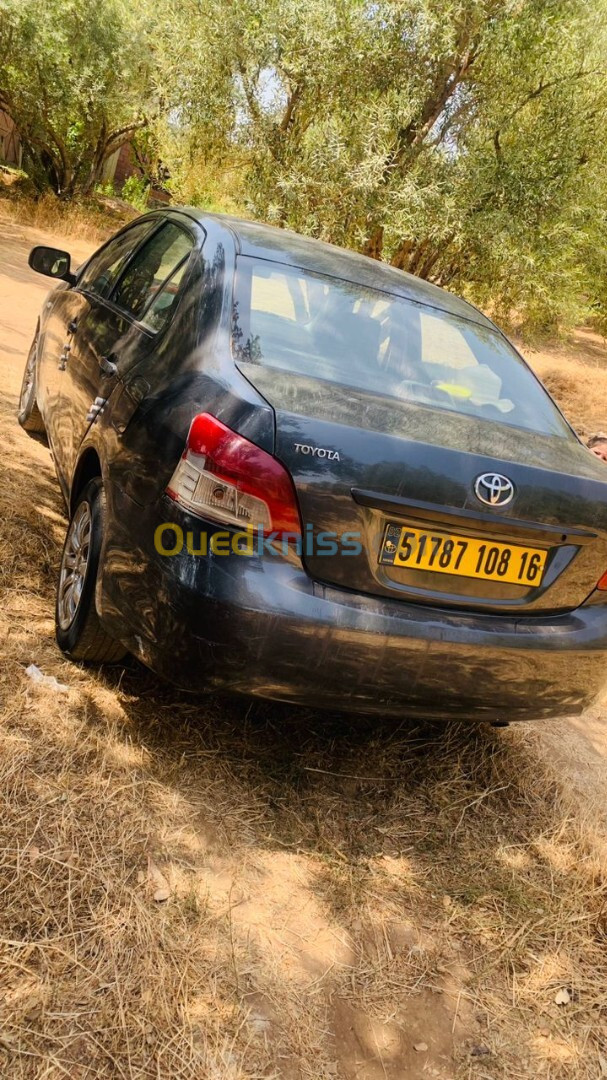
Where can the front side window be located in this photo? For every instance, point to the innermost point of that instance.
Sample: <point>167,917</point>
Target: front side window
<point>309,324</point>
<point>102,270</point>
<point>149,284</point>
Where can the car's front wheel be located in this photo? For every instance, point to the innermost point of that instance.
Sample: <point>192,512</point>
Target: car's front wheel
<point>78,629</point>
<point>29,415</point>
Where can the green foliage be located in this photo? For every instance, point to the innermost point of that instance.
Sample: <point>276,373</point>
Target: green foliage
<point>76,77</point>
<point>135,191</point>
<point>461,140</point>
<point>105,188</point>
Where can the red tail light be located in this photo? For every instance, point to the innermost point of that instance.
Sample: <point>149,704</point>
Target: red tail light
<point>602,584</point>
<point>223,476</point>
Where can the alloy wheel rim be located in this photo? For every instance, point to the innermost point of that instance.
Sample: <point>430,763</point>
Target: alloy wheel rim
<point>28,379</point>
<point>74,565</point>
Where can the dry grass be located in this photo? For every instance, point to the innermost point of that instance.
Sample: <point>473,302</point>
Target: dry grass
<point>576,375</point>
<point>93,219</point>
<point>336,892</point>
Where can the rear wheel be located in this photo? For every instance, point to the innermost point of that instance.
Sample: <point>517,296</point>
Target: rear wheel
<point>78,629</point>
<point>29,414</point>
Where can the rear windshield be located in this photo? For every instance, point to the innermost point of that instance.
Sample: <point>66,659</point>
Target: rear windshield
<point>308,324</point>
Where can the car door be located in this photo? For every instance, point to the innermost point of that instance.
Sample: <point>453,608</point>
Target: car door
<point>64,332</point>
<point>120,328</point>
<point>64,308</point>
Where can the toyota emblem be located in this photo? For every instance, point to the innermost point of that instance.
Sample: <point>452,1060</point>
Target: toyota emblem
<point>494,489</point>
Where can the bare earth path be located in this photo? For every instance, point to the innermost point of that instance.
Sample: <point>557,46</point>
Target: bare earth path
<point>225,890</point>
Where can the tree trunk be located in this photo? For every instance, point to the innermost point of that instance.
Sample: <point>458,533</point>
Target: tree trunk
<point>375,242</point>
<point>400,258</point>
<point>97,163</point>
<point>428,265</point>
<point>107,144</point>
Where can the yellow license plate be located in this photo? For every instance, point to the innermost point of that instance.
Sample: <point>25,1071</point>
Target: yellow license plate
<point>466,556</point>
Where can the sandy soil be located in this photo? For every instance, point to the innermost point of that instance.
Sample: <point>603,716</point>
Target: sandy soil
<point>318,986</point>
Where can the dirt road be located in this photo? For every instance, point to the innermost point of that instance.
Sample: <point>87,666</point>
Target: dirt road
<point>225,890</point>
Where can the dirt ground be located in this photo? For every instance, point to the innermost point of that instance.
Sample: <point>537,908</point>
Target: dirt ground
<point>234,890</point>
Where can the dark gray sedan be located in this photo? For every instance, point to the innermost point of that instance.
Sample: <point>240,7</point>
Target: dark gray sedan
<point>297,473</point>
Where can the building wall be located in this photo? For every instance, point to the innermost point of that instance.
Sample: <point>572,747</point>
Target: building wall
<point>11,151</point>
<point>122,164</point>
<point>125,164</point>
<point>109,166</point>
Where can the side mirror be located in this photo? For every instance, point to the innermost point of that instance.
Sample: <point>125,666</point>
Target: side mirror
<point>51,262</point>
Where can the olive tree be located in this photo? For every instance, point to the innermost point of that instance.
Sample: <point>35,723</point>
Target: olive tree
<point>76,76</point>
<point>460,140</point>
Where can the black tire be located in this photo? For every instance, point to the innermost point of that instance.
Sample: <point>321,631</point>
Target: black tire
<point>77,627</point>
<point>29,414</point>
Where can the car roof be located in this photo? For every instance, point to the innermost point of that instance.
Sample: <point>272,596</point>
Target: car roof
<point>282,245</point>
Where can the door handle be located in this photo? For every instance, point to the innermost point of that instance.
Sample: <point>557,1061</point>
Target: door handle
<point>65,355</point>
<point>72,326</point>
<point>107,365</point>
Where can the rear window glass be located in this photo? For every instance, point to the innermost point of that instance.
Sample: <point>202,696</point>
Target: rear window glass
<point>308,324</point>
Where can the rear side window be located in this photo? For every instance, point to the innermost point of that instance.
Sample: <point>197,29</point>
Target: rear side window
<point>103,269</point>
<point>308,324</point>
<point>151,281</point>
<point>158,312</point>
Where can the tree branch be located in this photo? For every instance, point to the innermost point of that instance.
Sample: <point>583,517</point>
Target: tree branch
<point>445,86</point>
<point>292,103</point>
<point>122,135</point>
<point>128,129</point>
<point>543,86</point>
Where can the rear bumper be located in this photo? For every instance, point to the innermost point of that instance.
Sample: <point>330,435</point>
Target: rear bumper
<point>261,626</point>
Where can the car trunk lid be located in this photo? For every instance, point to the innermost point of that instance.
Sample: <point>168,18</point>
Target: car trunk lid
<point>366,467</point>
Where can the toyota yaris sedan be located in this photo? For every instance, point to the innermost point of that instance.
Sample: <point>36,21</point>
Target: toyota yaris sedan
<point>298,473</point>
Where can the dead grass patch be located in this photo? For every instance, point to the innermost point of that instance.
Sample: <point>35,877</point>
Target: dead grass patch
<point>93,219</point>
<point>575,373</point>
